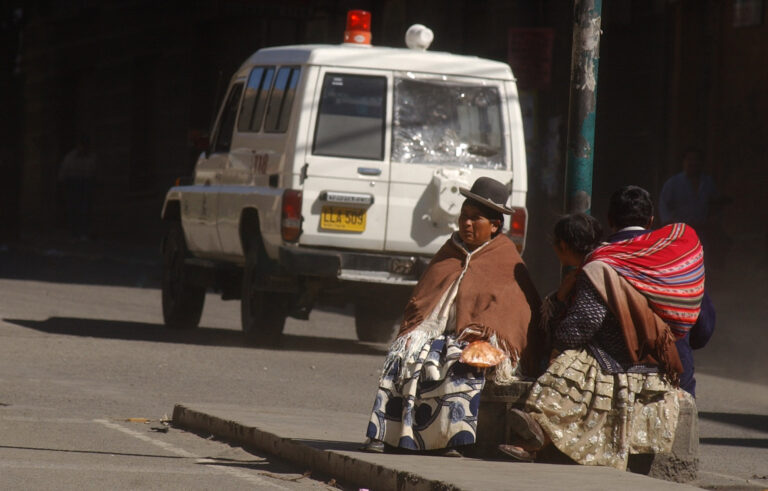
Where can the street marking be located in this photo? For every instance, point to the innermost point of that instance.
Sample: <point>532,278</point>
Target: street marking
<point>25,464</point>
<point>33,419</point>
<point>141,436</point>
<point>183,453</point>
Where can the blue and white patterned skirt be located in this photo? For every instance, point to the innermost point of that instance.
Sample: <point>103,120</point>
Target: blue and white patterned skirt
<point>430,401</point>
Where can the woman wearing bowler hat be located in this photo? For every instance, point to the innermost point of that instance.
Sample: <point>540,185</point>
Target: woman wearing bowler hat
<point>475,288</point>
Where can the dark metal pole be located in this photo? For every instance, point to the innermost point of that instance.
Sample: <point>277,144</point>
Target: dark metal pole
<point>581,108</point>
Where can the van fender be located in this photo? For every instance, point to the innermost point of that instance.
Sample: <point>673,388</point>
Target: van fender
<point>171,205</point>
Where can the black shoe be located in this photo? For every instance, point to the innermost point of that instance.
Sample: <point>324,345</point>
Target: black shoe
<point>528,429</point>
<point>373,446</point>
<point>517,453</point>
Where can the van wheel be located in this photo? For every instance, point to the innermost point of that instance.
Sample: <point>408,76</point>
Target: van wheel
<point>262,313</point>
<point>376,323</point>
<point>182,300</point>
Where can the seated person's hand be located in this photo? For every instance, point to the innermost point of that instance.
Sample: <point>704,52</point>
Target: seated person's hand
<point>566,286</point>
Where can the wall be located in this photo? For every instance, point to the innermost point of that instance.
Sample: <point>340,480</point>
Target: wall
<point>142,78</point>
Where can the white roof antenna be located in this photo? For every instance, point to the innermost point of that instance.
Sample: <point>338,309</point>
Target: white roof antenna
<point>419,37</point>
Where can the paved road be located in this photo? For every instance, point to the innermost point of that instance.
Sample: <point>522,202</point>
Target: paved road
<point>82,351</point>
<point>87,374</point>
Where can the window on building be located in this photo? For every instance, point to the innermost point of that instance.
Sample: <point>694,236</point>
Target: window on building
<point>255,98</point>
<point>223,138</point>
<point>350,122</point>
<point>281,99</point>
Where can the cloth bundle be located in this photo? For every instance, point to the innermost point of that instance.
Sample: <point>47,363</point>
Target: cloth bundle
<point>667,267</point>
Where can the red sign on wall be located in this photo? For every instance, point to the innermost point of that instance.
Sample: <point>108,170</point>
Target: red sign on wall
<point>530,56</point>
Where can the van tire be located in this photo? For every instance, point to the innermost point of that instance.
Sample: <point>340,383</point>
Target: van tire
<point>376,323</point>
<point>182,300</point>
<point>262,313</point>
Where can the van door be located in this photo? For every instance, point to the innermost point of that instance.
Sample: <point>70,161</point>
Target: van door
<point>201,202</point>
<point>345,178</point>
<point>446,132</point>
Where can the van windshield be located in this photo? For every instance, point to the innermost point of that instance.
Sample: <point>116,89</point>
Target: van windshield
<point>439,122</point>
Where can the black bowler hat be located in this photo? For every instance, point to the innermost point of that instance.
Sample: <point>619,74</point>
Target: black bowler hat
<point>489,192</point>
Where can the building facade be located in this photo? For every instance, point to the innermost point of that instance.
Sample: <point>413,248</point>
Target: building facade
<point>142,80</point>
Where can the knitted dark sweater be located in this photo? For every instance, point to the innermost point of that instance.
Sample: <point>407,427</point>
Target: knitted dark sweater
<point>587,322</point>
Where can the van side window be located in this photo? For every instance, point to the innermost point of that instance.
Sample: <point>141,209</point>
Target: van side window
<point>255,99</point>
<point>281,99</point>
<point>350,120</point>
<point>223,138</point>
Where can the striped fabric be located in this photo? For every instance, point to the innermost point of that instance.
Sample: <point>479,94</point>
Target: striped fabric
<point>665,265</point>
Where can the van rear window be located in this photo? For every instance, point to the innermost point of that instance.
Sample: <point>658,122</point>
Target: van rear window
<point>449,123</point>
<point>350,121</point>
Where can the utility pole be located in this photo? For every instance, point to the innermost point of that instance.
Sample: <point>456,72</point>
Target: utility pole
<point>585,55</point>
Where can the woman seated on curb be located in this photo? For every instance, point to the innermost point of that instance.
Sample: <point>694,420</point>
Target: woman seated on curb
<point>610,390</point>
<point>475,288</point>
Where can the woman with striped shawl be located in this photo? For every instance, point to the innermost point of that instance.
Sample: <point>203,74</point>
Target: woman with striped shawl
<point>610,391</point>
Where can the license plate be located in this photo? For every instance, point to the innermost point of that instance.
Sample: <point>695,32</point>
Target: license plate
<point>340,218</point>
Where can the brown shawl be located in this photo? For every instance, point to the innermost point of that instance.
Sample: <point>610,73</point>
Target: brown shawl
<point>648,338</point>
<point>496,295</point>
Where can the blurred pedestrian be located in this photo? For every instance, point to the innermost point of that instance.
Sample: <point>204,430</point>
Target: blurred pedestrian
<point>691,197</point>
<point>686,196</point>
<point>77,173</point>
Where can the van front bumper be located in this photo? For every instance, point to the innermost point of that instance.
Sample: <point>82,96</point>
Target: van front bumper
<point>392,269</point>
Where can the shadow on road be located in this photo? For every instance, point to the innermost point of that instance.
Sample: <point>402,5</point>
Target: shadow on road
<point>736,442</point>
<point>757,422</point>
<point>144,331</point>
<point>89,267</point>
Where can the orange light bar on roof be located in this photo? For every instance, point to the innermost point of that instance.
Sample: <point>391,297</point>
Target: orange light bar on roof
<point>358,27</point>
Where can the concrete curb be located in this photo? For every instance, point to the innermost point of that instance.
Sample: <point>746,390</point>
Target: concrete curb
<point>329,444</point>
<point>346,469</point>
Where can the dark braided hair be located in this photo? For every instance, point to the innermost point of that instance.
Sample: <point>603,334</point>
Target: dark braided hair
<point>630,206</point>
<point>579,231</point>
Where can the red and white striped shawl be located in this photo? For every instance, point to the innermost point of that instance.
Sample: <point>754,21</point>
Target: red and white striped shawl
<point>667,267</point>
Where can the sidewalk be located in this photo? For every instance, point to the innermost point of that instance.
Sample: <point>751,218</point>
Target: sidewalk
<point>329,444</point>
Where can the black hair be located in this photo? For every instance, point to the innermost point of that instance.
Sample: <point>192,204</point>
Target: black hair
<point>579,231</point>
<point>487,212</point>
<point>630,206</point>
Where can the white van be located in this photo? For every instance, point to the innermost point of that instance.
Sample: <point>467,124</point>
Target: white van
<point>332,176</point>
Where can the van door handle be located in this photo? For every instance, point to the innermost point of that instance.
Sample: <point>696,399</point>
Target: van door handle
<point>369,171</point>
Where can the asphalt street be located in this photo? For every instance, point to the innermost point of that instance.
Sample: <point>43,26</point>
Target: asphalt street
<point>88,374</point>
